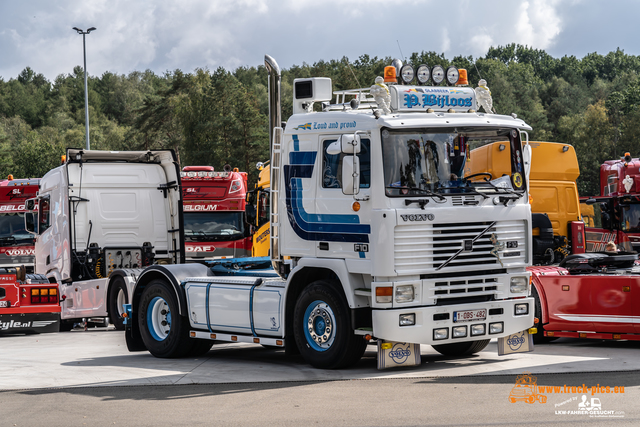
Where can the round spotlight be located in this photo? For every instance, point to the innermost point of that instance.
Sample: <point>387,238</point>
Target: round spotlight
<point>437,74</point>
<point>452,75</point>
<point>407,73</point>
<point>423,73</point>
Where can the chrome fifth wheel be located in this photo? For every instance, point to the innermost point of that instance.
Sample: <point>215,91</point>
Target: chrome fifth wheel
<point>322,327</point>
<point>164,331</point>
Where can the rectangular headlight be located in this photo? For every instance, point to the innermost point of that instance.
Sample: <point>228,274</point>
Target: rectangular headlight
<point>478,330</point>
<point>407,319</point>
<point>496,328</point>
<point>404,293</point>
<point>440,334</point>
<point>459,332</point>
<point>521,309</point>
<point>519,285</point>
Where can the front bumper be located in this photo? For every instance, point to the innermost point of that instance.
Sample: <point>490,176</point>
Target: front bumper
<point>386,323</point>
<point>29,323</point>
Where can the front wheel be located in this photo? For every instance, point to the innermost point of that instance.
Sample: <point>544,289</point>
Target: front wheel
<point>322,328</point>
<point>461,348</point>
<point>538,337</point>
<point>117,298</point>
<point>164,331</point>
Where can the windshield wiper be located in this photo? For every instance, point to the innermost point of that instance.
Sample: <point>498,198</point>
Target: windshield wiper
<point>503,189</point>
<point>467,190</point>
<point>421,190</point>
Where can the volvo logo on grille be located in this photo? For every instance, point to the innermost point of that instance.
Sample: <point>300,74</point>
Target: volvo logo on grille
<point>467,245</point>
<point>418,217</point>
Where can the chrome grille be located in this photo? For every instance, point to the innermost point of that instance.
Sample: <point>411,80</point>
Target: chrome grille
<point>464,201</point>
<point>425,247</point>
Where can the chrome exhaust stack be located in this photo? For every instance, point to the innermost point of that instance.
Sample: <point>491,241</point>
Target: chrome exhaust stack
<point>275,138</point>
<point>275,111</point>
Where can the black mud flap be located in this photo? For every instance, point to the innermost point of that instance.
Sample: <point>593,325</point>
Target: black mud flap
<point>132,337</point>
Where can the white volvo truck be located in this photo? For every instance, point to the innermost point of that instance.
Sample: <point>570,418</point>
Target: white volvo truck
<point>377,235</point>
<point>99,219</point>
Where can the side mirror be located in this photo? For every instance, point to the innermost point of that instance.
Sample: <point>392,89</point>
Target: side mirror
<point>590,201</point>
<point>31,222</point>
<point>30,204</point>
<point>250,212</point>
<point>526,155</point>
<point>347,144</point>
<point>350,175</point>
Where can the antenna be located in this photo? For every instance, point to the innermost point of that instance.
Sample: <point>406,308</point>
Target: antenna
<point>478,71</point>
<point>400,49</point>
<point>354,74</point>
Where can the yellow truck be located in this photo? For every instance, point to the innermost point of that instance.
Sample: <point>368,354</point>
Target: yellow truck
<point>259,218</point>
<point>555,205</point>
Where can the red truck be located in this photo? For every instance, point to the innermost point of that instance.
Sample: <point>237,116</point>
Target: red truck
<point>589,295</point>
<point>214,217</point>
<point>29,304</point>
<point>614,215</point>
<point>16,244</point>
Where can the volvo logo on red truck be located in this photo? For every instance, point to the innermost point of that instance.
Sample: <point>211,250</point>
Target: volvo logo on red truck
<point>18,251</point>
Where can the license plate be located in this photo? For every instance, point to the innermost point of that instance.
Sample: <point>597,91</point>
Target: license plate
<point>469,315</point>
<point>4,304</point>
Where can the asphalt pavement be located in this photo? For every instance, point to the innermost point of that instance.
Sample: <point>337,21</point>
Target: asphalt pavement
<point>89,378</point>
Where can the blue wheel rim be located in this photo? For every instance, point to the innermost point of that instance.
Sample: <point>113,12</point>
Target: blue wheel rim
<point>158,319</point>
<point>319,325</point>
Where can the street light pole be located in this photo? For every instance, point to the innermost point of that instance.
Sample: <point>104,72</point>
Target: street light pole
<point>86,91</point>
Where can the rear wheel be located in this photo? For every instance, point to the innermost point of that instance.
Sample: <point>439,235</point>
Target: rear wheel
<point>117,298</point>
<point>322,328</point>
<point>461,348</point>
<point>164,331</point>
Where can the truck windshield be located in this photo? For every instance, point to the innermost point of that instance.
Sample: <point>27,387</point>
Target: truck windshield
<point>12,231</point>
<point>452,160</point>
<point>213,226</point>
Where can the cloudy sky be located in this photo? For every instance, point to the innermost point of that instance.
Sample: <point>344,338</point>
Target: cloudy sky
<point>164,35</point>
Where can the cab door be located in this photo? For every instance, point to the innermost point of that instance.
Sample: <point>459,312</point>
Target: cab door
<point>341,230</point>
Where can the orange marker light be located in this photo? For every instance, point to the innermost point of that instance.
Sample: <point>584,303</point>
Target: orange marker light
<point>390,74</point>
<point>355,206</point>
<point>384,294</point>
<point>462,79</point>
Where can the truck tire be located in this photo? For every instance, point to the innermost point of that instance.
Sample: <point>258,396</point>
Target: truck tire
<point>461,348</point>
<point>322,328</point>
<point>538,337</point>
<point>200,347</point>
<point>117,297</point>
<point>164,331</point>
